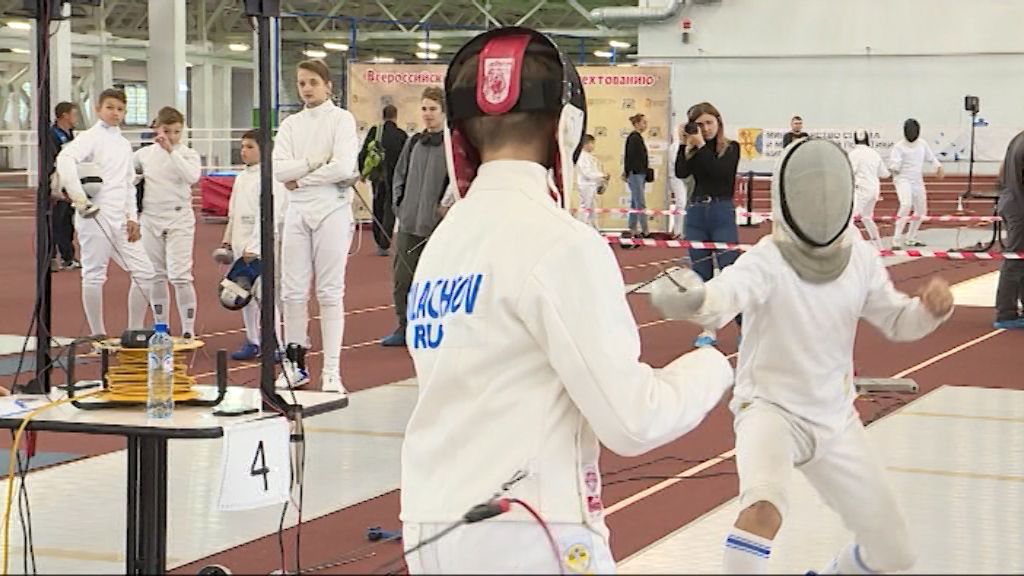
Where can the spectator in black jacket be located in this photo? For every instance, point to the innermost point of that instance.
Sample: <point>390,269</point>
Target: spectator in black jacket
<point>636,167</point>
<point>796,131</point>
<point>1010,293</point>
<point>392,140</point>
<point>63,223</point>
<point>711,158</point>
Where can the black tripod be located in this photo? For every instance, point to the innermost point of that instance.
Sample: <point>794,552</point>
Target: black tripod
<point>970,165</point>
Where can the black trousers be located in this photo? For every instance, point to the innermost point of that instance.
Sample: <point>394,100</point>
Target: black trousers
<point>63,230</point>
<point>1010,292</point>
<point>383,215</point>
<point>407,257</point>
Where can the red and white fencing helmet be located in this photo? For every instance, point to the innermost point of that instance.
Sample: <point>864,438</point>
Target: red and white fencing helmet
<point>501,89</point>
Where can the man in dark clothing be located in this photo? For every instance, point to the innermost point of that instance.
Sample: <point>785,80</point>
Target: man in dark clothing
<point>63,223</point>
<point>391,141</point>
<point>796,131</point>
<point>1010,291</point>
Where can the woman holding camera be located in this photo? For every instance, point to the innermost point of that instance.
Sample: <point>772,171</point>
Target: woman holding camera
<point>711,158</point>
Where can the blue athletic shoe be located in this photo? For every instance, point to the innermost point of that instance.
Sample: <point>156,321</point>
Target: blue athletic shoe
<point>704,341</point>
<point>396,339</point>
<point>249,351</point>
<point>1015,324</point>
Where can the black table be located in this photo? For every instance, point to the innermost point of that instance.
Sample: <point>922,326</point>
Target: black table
<point>146,549</point>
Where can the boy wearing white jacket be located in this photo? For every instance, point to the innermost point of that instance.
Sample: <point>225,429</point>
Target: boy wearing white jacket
<point>315,156</point>
<point>170,169</point>
<point>242,236</point>
<point>590,181</point>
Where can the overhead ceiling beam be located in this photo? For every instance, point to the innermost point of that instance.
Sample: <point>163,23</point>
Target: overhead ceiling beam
<point>392,16</point>
<point>425,17</point>
<point>217,13</point>
<point>298,18</point>
<point>575,5</point>
<point>331,14</point>
<point>487,14</point>
<point>366,36</point>
<point>532,11</point>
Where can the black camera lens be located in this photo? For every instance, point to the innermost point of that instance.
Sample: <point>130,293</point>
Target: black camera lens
<point>690,128</point>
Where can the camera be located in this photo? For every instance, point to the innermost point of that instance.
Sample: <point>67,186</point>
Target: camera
<point>690,128</point>
<point>972,104</point>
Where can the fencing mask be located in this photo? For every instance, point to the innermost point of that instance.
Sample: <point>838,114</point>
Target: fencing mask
<point>861,137</point>
<point>240,285</point>
<point>911,130</point>
<point>812,205</point>
<point>501,83</point>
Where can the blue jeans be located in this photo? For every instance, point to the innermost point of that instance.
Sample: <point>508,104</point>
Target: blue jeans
<point>714,221</point>
<point>637,201</point>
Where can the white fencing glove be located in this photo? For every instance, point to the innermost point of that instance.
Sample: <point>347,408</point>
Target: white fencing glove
<point>678,294</point>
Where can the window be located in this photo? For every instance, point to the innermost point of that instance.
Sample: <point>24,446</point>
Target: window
<point>137,112</point>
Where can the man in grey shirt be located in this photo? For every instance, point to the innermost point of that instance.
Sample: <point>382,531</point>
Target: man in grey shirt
<point>420,180</point>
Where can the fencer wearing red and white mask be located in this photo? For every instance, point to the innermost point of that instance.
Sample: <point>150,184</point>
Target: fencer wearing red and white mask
<point>315,156</point>
<point>525,348</point>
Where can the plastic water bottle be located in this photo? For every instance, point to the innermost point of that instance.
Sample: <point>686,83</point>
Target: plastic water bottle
<point>160,403</point>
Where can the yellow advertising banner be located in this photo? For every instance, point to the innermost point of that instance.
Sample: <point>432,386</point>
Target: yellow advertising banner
<point>614,93</point>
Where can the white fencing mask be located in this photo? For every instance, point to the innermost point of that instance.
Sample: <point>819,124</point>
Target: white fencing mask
<point>812,205</point>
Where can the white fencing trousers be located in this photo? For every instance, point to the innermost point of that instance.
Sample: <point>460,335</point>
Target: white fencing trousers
<point>101,240</point>
<point>323,251</point>
<point>913,198</point>
<point>770,442</point>
<point>864,206</point>
<point>585,212</point>
<point>170,252</point>
<point>507,548</point>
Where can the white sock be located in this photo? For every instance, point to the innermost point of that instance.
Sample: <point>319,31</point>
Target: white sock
<point>296,317</point>
<point>746,553</point>
<point>185,294</point>
<point>332,327</point>
<point>251,319</point>
<point>92,301</point>
<point>849,561</point>
<point>160,298</point>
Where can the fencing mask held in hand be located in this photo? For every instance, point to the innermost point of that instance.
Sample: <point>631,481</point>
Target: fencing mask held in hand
<point>812,205</point>
<point>240,285</point>
<point>911,130</point>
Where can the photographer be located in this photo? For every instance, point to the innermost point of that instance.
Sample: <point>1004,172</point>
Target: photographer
<point>711,158</point>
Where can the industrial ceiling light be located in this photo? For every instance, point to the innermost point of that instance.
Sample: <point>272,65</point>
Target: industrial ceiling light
<point>315,53</point>
<point>19,25</point>
<point>117,59</point>
<point>238,47</point>
<point>336,46</point>
<point>426,55</point>
<point>19,50</point>
<point>383,60</point>
<point>602,54</point>
<point>432,46</point>
<point>619,44</point>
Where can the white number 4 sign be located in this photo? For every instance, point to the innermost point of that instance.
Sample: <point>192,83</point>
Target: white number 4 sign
<point>256,465</point>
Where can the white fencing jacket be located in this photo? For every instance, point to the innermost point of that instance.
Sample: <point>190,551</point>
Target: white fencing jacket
<point>326,136</point>
<point>589,175</point>
<point>527,356</point>
<point>798,337</point>
<point>868,170</point>
<point>169,176</point>
<point>107,148</point>
<point>243,230</point>
<point>906,160</point>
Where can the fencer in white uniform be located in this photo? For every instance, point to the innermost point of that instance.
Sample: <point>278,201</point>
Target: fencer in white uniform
<point>802,291</point>
<point>590,181</point>
<point>906,162</point>
<point>526,352</point>
<point>113,232</point>
<point>169,169</point>
<point>243,236</point>
<point>315,155</point>
<point>868,169</point>
<point>677,188</point>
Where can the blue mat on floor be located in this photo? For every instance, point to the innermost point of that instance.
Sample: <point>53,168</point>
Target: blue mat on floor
<point>40,460</point>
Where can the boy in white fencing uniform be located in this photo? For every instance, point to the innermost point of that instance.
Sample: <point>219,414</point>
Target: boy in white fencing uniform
<point>906,162</point>
<point>802,291</point>
<point>108,223</point>
<point>315,155</point>
<point>526,351</point>
<point>242,237</point>
<point>868,168</point>
<point>590,181</point>
<point>168,222</point>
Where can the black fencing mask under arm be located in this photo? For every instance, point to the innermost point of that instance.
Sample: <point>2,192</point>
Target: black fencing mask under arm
<point>812,205</point>
<point>911,130</point>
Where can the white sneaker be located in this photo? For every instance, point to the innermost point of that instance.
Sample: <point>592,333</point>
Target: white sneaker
<point>291,376</point>
<point>331,382</point>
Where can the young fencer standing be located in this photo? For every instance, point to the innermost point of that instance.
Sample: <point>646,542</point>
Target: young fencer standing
<point>868,168</point>
<point>170,169</point>
<point>315,156</point>
<point>802,291</point>
<point>242,237</point>
<point>906,162</point>
<point>107,223</point>
<point>590,181</point>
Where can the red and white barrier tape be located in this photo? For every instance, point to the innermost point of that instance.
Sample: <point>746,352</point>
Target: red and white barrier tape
<point>768,215</point>
<point>941,254</point>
